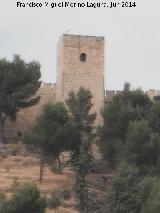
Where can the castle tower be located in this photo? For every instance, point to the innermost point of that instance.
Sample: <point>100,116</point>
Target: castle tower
<point>80,62</point>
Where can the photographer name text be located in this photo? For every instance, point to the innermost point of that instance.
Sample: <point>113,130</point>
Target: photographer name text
<point>75,4</point>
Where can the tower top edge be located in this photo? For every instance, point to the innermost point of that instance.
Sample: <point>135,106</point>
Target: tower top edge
<point>72,36</point>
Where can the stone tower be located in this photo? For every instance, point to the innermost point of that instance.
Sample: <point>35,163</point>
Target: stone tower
<point>80,62</point>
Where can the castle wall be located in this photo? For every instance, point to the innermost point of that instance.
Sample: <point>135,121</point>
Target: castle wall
<point>27,116</point>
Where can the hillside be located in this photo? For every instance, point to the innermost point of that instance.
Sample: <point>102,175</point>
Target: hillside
<point>26,169</point>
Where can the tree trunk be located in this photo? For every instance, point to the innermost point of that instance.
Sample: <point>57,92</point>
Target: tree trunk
<point>59,162</point>
<point>2,133</point>
<point>41,168</point>
<point>82,191</point>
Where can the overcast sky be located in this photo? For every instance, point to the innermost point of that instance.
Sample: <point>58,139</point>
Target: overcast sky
<point>132,38</point>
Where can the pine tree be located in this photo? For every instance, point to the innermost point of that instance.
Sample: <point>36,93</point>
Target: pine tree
<point>19,82</point>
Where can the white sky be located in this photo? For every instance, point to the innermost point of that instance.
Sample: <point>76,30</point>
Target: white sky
<point>132,38</point>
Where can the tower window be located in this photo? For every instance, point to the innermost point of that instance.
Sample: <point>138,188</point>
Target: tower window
<point>82,57</point>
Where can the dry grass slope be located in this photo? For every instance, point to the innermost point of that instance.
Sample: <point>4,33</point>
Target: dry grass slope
<point>26,169</point>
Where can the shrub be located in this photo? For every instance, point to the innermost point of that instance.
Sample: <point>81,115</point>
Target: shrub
<point>26,198</point>
<point>63,194</point>
<point>2,202</point>
<point>152,204</point>
<point>131,192</point>
<point>55,169</point>
<point>99,166</point>
<point>124,194</point>
<point>2,196</point>
<point>54,200</point>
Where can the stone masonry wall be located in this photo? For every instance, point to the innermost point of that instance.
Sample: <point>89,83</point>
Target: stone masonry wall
<point>26,117</point>
<point>73,73</point>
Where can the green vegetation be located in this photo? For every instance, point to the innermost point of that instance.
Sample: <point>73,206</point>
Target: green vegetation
<point>124,194</point>
<point>80,105</point>
<point>48,136</point>
<point>142,146</point>
<point>129,140</point>
<point>26,198</point>
<point>117,115</point>
<point>53,201</point>
<point>19,82</point>
<point>152,201</point>
<point>57,129</point>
